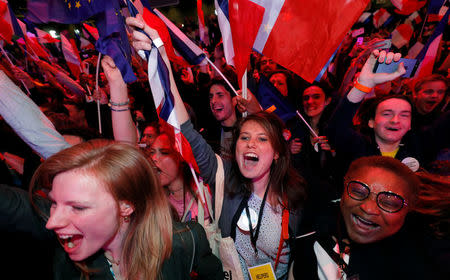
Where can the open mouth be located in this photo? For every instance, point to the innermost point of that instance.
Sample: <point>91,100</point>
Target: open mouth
<point>363,223</point>
<point>70,242</point>
<point>250,159</point>
<point>392,128</point>
<point>217,109</point>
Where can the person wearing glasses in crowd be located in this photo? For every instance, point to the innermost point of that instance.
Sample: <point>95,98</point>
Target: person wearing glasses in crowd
<point>369,236</point>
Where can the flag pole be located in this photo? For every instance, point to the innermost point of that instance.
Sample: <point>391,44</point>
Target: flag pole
<point>96,88</point>
<point>220,73</point>
<point>34,57</point>
<point>200,190</point>
<point>9,60</point>
<point>307,124</point>
<point>244,90</point>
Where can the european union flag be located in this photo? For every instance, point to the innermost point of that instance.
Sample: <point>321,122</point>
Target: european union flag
<point>66,11</point>
<point>113,40</point>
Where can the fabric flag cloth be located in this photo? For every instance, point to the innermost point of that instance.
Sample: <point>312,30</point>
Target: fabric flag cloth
<point>225,29</point>
<point>71,55</point>
<point>33,44</point>
<point>245,19</point>
<point>436,10</point>
<point>414,51</point>
<point>202,32</point>
<point>44,37</point>
<point>182,44</point>
<point>86,44</point>
<point>415,18</point>
<point>380,17</point>
<point>152,20</point>
<point>6,29</point>
<point>306,48</point>
<point>179,48</point>
<point>364,18</point>
<point>407,7</point>
<point>10,21</point>
<point>428,54</point>
<point>67,11</point>
<point>90,31</point>
<point>271,100</point>
<point>113,40</point>
<point>29,39</point>
<point>159,80</point>
<point>402,34</point>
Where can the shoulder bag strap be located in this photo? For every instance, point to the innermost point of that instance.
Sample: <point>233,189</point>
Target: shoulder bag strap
<point>219,188</point>
<point>187,209</point>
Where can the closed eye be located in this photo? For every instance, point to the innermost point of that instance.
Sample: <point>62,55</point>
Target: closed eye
<point>79,208</point>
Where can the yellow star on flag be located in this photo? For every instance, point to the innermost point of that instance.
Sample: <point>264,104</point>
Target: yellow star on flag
<point>77,4</point>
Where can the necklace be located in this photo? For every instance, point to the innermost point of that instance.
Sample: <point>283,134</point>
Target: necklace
<point>172,192</point>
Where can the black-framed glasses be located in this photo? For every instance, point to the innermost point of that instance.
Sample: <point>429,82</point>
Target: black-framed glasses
<point>387,201</point>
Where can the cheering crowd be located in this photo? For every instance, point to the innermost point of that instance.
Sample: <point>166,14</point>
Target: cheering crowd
<point>354,185</point>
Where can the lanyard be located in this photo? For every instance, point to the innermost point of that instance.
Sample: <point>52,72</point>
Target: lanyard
<point>284,234</point>
<point>254,237</point>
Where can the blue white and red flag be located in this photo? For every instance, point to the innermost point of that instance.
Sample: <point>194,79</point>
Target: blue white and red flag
<point>71,55</point>
<point>427,55</point>
<point>302,35</point>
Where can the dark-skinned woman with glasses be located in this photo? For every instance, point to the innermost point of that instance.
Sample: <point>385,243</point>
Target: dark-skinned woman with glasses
<point>369,234</point>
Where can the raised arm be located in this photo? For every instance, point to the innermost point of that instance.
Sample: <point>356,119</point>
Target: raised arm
<point>368,79</point>
<point>123,126</point>
<point>27,120</point>
<point>142,42</point>
<point>203,153</point>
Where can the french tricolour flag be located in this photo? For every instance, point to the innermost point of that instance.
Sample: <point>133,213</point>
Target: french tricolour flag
<point>402,34</point>
<point>302,35</point>
<point>380,17</point>
<point>72,56</point>
<point>429,51</point>
<point>225,29</point>
<point>6,29</point>
<point>159,80</point>
<point>182,44</point>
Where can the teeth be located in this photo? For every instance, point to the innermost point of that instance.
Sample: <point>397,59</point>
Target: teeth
<point>252,157</point>
<point>65,236</point>
<point>366,222</point>
<point>70,244</point>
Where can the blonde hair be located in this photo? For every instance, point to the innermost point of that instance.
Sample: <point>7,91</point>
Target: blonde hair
<point>129,177</point>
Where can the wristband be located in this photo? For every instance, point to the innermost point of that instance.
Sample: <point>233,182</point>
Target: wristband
<point>111,103</point>
<point>361,87</point>
<point>158,42</point>
<point>120,110</point>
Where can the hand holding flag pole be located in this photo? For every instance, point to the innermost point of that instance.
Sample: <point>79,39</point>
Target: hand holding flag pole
<point>307,124</point>
<point>159,73</point>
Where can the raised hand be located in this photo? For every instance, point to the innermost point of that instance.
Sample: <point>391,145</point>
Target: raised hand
<point>370,79</point>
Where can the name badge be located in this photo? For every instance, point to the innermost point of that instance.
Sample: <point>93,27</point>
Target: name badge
<point>262,272</point>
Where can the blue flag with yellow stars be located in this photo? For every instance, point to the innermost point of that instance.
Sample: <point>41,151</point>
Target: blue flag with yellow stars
<point>113,40</point>
<point>66,11</point>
